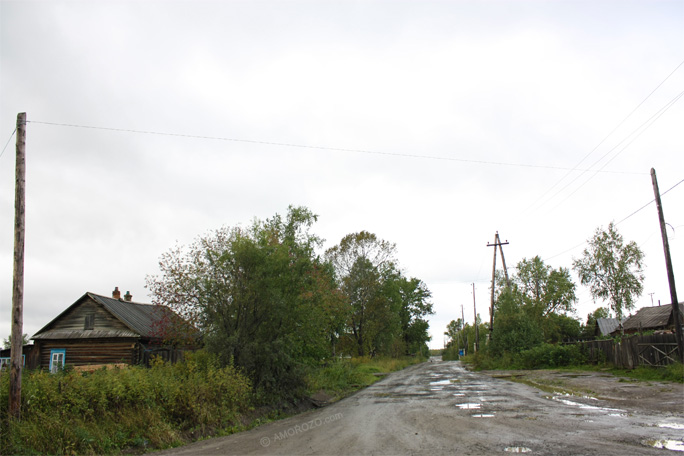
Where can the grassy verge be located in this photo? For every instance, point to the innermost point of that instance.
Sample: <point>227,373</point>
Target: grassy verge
<point>344,376</point>
<point>135,409</point>
<point>107,411</point>
<point>567,357</point>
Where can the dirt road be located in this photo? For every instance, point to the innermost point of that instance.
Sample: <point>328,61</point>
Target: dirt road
<point>440,408</point>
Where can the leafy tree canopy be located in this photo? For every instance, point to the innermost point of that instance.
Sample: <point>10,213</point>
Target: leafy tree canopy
<point>385,309</point>
<point>7,343</point>
<point>544,289</point>
<point>262,298</point>
<point>612,269</point>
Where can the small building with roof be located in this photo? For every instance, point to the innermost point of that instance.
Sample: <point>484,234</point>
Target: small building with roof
<point>98,330</point>
<point>605,326</point>
<point>649,319</point>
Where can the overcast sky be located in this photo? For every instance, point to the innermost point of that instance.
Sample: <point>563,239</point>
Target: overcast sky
<point>433,124</point>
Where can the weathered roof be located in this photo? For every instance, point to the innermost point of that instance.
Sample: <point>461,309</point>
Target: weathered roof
<point>607,325</point>
<point>651,318</point>
<point>85,334</point>
<point>142,320</point>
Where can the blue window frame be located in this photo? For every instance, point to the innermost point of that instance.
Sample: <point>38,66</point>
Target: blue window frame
<point>5,362</point>
<point>57,359</point>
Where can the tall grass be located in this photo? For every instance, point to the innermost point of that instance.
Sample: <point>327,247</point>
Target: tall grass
<point>108,410</point>
<point>135,409</point>
<point>342,376</point>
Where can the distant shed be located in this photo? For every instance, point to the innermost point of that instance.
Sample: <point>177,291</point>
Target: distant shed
<point>605,326</point>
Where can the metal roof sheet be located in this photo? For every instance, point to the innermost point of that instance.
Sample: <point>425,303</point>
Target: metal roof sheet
<point>607,325</point>
<point>142,318</point>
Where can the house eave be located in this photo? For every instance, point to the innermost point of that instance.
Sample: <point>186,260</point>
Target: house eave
<point>86,334</point>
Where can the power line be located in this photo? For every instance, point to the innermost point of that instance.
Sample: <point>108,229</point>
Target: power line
<point>575,168</point>
<point>630,215</point>
<point>8,141</point>
<point>649,203</point>
<point>303,146</point>
<point>636,132</point>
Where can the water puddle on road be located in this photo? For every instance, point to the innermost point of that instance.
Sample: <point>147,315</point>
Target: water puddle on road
<point>671,425</point>
<point>674,445</point>
<point>469,406</point>
<point>614,412</point>
<point>517,450</point>
<point>483,415</point>
<point>440,382</point>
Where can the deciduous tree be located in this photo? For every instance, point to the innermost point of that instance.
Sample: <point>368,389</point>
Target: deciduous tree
<point>262,298</point>
<point>385,309</point>
<point>612,269</point>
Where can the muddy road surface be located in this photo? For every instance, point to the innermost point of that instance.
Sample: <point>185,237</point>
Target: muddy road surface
<point>440,408</point>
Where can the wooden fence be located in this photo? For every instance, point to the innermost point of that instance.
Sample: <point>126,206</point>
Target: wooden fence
<point>633,351</point>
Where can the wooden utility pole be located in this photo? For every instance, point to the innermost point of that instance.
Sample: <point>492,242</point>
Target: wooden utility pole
<point>497,243</point>
<point>18,277</point>
<point>460,333</point>
<point>476,344</point>
<point>676,315</point>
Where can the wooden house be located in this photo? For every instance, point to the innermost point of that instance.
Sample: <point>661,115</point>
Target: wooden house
<point>98,330</point>
<point>649,319</point>
<point>29,358</point>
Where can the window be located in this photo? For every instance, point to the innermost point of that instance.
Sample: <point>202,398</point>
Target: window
<point>5,362</point>
<point>89,321</point>
<point>57,358</point>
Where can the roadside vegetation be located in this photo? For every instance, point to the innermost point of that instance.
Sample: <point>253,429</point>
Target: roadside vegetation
<point>344,376</point>
<point>533,323</point>
<point>267,302</point>
<point>106,411</point>
<point>280,321</point>
<point>137,409</point>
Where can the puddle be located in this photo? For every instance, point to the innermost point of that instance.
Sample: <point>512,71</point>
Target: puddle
<point>459,394</point>
<point>674,445</point>
<point>483,415</point>
<point>671,425</point>
<point>616,412</point>
<point>517,450</point>
<point>469,406</point>
<point>440,382</point>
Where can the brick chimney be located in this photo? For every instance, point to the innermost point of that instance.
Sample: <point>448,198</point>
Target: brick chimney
<point>116,294</point>
<point>128,296</point>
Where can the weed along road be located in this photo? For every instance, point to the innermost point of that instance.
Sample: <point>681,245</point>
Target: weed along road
<point>440,408</point>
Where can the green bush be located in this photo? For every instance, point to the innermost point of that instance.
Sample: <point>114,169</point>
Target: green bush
<point>547,355</point>
<point>342,376</point>
<point>450,353</point>
<point>108,410</point>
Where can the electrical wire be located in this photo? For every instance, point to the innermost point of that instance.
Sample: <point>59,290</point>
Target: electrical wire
<point>8,141</point>
<point>630,215</point>
<point>575,168</point>
<point>335,149</point>
<point>649,203</point>
<point>636,132</point>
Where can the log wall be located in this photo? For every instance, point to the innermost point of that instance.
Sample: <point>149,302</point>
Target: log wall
<point>83,352</point>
